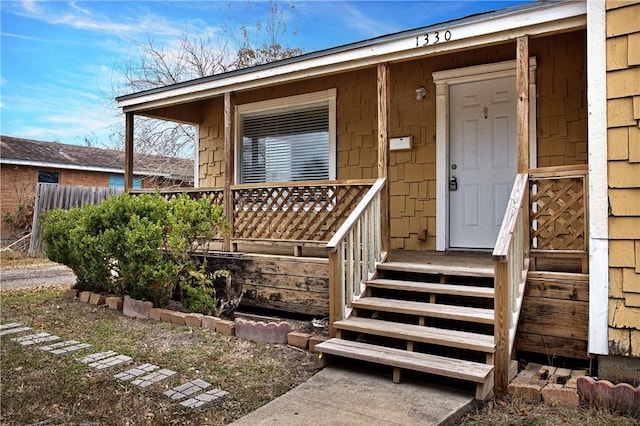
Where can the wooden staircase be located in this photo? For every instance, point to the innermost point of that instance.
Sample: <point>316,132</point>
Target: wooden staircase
<point>435,319</point>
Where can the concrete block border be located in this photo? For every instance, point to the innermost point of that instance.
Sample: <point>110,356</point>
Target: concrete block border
<point>226,327</point>
<point>570,388</point>
<point>275,332</point>
<point>262,332</point>
<point>114,302</point>
<point>622,398</point>
<point>136,308</point>
<point>70,294</point>
<point>299,340</point>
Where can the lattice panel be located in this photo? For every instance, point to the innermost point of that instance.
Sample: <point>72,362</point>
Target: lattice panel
<point>558,214</point>
<point>301,213</point>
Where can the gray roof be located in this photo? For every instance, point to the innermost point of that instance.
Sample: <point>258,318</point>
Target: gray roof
<point>55,154</point>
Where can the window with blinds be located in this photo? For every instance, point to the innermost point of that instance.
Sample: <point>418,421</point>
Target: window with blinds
<point>285,144</point>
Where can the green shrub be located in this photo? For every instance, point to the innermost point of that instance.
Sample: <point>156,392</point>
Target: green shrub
<point>199,289</point>
<point>133,245</point>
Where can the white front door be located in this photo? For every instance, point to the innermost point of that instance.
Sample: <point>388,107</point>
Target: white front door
<point>482,159</point>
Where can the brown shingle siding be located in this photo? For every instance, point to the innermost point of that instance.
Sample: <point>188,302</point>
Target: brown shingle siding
<point>623,93</point>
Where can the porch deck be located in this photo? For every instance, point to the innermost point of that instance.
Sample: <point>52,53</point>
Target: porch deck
<point>453,258</point>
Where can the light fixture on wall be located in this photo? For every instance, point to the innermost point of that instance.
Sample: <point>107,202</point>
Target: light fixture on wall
<point>421,93</point>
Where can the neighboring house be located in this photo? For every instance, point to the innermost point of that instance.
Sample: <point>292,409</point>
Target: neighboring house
<point>24,163</point>
<point>513,132</point>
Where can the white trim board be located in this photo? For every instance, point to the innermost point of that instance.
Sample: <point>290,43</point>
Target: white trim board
<point>442,80</point>
<point>598,182</point>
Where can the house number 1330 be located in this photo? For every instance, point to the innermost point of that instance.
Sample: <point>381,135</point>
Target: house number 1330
<point>433,38</point>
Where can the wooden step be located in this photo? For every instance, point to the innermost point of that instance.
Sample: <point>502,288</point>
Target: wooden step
<point>425,268</point>
<point>434,310</point>
<point>432,288</point>
<point>426,363</point>
<point>418,333</point>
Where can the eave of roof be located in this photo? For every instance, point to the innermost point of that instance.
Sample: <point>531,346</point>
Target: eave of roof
<point>492,27</point>
<point>56,155</point>
<point>53,165</point>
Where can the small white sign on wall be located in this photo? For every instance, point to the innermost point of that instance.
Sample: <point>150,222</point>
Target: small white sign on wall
<point>397,144</point>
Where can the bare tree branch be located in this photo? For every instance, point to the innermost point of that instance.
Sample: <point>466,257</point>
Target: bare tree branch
<point>194,56</point>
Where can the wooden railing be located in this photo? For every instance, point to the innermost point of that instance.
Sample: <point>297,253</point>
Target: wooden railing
<point>354,251</point>
<point>510,257</point>
<point>295,213</point>
<point>559,220</point>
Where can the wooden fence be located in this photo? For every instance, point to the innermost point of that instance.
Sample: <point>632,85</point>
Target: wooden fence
<point>51,197</point>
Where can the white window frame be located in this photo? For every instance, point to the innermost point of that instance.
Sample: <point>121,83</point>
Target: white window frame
<point>286,104</point>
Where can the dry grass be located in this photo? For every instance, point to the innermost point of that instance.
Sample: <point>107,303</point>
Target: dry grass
<point>10,259</point>
<point>510,412</point>
<point>37,386</point>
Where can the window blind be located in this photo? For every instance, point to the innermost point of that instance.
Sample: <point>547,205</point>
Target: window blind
<point>285,146</point>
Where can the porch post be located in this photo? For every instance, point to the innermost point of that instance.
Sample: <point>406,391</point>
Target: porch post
<point>523,121</point>
<point>383,152</point>
<point>502,300</point>
<point>128,152</point>
<point>522,87</point>
<point>229,163</point>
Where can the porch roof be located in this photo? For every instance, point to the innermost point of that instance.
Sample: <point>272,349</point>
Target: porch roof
<point>530,19</point>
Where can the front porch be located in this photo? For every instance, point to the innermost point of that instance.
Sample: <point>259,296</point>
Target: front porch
<point>317,248</point>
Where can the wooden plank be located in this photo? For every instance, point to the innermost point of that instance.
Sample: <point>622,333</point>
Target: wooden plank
<point>292,301</point>
<point>272,264</point>
<point>561,276</point>
<point>522,106</point>
<point>555,318</point>
<point>276,282</point>
<point>574,170</point>
<point>418,333</point>
<point>433,288</point>
<point>562,254</point>
<point>427,363</point>
<point>557,289</point>
<point>277,242</point>
<point>460,313</point>
<point>336,290</point>
<point>229,161</point>
<point>552,346</point>
<point>501,328</point>
<point>510,220</point>
<point>481,259</point>
<point>467,271</point>
<point>384,98</point>
<point>304,183</point>
<point>128,151</point>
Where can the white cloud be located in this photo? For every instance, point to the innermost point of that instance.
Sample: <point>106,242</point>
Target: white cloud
<point>70,14</point>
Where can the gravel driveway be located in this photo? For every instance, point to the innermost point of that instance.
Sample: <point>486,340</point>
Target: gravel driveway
<point>36,276</point>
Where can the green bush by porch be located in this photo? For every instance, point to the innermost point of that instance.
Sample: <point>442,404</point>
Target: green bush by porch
<point>140,246</point>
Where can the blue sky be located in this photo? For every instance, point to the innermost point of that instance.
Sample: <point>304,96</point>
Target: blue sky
<point>59,59</point>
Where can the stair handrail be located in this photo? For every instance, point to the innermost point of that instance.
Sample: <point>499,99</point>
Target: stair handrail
<point>511,264</point>
<point>354,251</point>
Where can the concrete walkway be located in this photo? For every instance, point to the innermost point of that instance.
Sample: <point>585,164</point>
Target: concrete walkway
<point>340,395</point>
<point>43,275</point>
